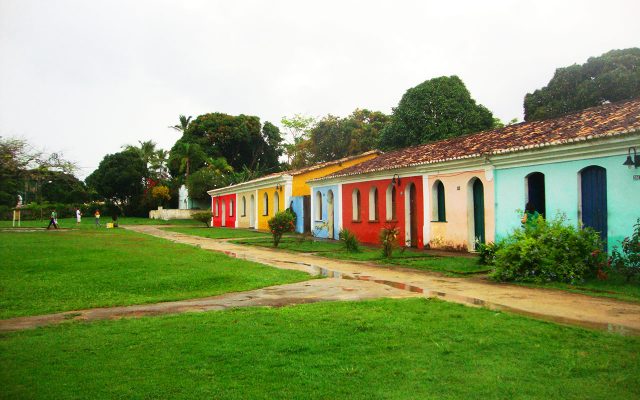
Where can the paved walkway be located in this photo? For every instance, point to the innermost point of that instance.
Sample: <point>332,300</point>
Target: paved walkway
<point>552,305</point>
<point>296,293</point>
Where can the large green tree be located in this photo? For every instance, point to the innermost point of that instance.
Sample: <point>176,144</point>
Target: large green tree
<point>184,158</point>
<point>215,174</point>
<point>237,138</point>
<point>436,109</point>
<point>613,76</point>
<point>333,137</point>
<point>120,178</point>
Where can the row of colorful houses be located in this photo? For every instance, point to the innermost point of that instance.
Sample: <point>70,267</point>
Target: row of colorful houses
<point>457,192</point>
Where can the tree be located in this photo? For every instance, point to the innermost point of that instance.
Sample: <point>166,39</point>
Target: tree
<point>155,159</point>
<point>215,174</point>
<point>332,137</point>
<point>297,150</point>
<point>436,109</point>
<point>120,178</point>
<point>184,124</point>
<point>185,157</point>
<point>61,187</point>
<point>613,76</point>
<point>22,167</point>
<point>237,138</point>
<point>161,194</point>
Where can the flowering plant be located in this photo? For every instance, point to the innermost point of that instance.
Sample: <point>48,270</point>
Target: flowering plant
<point>280,224</point>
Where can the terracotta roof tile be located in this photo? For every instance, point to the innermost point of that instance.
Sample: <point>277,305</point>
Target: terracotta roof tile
<point>596,122</point>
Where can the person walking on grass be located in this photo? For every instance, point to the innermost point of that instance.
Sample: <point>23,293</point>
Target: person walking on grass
<point>78,216</point>
<point>54,220</point>
<point>97,215</point>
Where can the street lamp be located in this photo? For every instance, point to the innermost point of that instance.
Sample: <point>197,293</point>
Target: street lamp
<point>632,163</point>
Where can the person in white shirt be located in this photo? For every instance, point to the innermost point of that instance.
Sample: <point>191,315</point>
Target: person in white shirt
<point>78,215</point>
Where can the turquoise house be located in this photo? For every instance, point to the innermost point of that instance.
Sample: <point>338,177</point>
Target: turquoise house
<point>588,179</point>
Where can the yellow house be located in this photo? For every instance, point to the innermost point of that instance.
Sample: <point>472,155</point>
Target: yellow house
<point>259,200</point>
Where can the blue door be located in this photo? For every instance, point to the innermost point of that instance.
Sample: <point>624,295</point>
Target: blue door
<point>593,185</point>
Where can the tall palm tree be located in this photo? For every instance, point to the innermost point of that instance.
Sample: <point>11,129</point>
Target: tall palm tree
<point>184,124</point>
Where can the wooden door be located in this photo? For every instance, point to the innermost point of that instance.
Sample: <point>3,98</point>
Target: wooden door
<point>593,190</point>
<point>306,213</point>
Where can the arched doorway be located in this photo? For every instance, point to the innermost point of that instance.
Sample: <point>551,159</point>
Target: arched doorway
<point>536,191</point>
<point>330,227</point>
<point>252,211</point>
<point>593,199</point>
<point>411,216</point>
<point>477,213</point>
<point>224,214</point>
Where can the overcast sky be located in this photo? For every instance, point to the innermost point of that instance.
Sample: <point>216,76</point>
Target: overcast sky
<point>86,77</point>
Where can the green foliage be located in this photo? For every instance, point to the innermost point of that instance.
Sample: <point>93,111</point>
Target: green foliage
<point>298,127</point>
<point>204,217</point>
<point>334,137</point>
<point>389,239</point>
<point>349,241</point>
<point>240,139</point>
<point>119,178</point>
<point>613,76</point>
<point>436,109</point>
<point>280,224</point>
<point>185,157</point>
<point>627,260</point>
<point>548,251</point>
<point>215,174</point>
<point>487,252</point>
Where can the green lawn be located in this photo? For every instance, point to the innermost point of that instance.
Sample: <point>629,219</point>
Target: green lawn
<point>219,233</point>
<point>407,259</point>
<point>51,271</point>
<point>89,222</point>
<point>383,349</point>
<point>615,287</point>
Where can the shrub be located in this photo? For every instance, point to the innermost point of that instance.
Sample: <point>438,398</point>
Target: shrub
<point>349,241</point>
<point>389,239</point>
<point>487,252</point>
<point>549,251</point>
<point>280,224</point>
<point>627,261</point>
<point>204,217</point>
<point>161,193</point>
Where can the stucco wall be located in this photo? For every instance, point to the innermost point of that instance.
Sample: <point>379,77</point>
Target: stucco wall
<point>244,216</point>
<point>457,231</point>
<point>320,227</point>
<point>223,210</point>
<point>368,231</point>
<point>262,218</point>
<point>562,188</point>
<point>172,213</point>
<point>297,204</point>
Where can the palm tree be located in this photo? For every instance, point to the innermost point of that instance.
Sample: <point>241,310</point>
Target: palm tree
<point>184,124</point>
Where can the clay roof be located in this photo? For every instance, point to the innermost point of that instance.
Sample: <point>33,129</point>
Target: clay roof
<point>591,123</point>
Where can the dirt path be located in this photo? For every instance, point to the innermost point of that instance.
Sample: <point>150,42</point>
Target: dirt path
<point>552,305</point>
<point>275,296</point>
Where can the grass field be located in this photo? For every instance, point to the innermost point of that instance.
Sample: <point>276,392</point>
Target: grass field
<point>383,349</point>
<point>451,265</point>
<point>51,271</point>
<point>89,222</point>
<point>220,233</point>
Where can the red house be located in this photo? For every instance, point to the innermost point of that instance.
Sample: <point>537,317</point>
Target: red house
<point>223,210</point>
<point>369,206</point>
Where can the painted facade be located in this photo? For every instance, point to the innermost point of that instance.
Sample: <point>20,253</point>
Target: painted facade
<point>559,185</point>
<point>246,209</point>
<point>271,200</point>
<point>223,210</point>
<point>368,206</point>
<point>456,218</point>
<point>326,211</point>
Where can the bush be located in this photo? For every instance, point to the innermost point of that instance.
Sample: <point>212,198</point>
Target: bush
<point>204,217</point>
<point>389,239</point>
<point>627,261</point>
<point>280,224</point>
<point>487,252</point>
<point>349,241</point>
<point>549,251</point>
